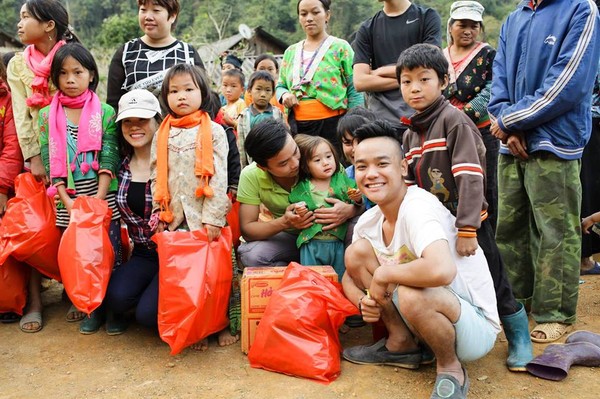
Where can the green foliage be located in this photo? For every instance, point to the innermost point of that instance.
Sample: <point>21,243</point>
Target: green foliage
<point>118,29</point>
<point>10,15</point>
<point>105,23</point>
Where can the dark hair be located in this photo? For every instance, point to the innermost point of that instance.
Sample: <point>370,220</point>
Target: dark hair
<point>326,5</point>
<point>81,55</point>
<point>481,27</point>
<point>172,6</point>
<point>349,124</point>
<point>263,57</point>
<point>125,149</point>
<point>6,57</point>
<point>307,145</point>
<point>213,104</point>
<point>52,10</point>
<point>235,73</point>
<point>3,70</point>
<point>231,59</point>
<point>424,56</point>
<point>379,128</point>
<point>198,77</point>
<point>261,75</point>
<point>266,139</point>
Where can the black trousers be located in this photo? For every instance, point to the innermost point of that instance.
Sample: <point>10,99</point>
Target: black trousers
<point>590,188</point>
<point>506,302</point>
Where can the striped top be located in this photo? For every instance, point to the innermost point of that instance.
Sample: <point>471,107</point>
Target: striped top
<point>87,187</point>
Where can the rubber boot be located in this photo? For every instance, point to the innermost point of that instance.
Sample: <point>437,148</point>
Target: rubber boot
<point>555,362</point>
<point>520,349</point>
<point>583,336</point>
<point>92,323</point>
<point>116,324</point>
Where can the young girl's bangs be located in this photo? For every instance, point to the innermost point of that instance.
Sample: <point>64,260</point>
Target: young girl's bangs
<point>81,55</point>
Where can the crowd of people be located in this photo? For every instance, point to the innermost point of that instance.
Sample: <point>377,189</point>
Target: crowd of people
<point>443,185</point>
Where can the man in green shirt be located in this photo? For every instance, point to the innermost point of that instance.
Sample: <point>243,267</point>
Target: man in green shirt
<point>268,181</point>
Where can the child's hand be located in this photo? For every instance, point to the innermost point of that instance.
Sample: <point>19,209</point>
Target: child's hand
<point>3,200</point>
<point>300,208</point>
<point>229,121</point>
<point>586,223</point>
<point>355,195</point>
<point>213,232</point>
<point>37,169</point>
<point>293,220</point>
<point>161,226</point>
<point>68,203</point>
<point>466,246</point>
<point>232,192</point>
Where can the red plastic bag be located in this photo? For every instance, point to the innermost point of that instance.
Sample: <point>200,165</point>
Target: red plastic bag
<point>298,334</point>
<point>194,281</point>
<point>86,255</point>
<point>126,246</point>
<point>233,221</point>
<point>28,230</point>
<point>14,278</point>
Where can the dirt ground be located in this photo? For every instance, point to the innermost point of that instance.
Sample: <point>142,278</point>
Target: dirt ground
<point>58,362</point>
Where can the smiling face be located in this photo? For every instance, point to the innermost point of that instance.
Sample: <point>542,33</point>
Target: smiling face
<point>379,170</point>
<point>322,164</point>
<point>464,32</point>
<point>184,96</point>
<point>420,87</point>
<point>155,21</point>
<point>138,132</point>
<point>30,30</point>
<point>73,78</point>
<point>313,17</point>
<point>262,92</point>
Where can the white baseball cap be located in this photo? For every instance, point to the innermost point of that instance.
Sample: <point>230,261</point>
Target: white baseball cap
<point>471,10</point>
<point>138,103</point>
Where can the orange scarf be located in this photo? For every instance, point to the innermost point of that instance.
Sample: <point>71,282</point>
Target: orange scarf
<point>203,168</point>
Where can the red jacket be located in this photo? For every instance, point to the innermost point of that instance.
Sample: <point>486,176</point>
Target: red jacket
<point>11,159</point>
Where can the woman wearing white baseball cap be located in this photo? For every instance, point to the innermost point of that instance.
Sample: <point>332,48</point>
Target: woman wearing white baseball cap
<point>135,284</point>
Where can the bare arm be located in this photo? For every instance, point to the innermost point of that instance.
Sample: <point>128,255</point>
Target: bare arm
<point>380,79</point>
<point>104,180</point>
<point>435,268</point>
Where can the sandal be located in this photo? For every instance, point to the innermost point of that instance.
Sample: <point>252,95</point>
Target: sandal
<point>594,270</point>
<point>29,318</point>
<point>552,331</point>
<point>72,314</point>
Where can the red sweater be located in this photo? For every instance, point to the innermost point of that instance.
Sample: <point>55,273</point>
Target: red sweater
<point>11,159</point>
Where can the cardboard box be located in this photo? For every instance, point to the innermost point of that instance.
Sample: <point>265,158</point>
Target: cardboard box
<point>258,284</point>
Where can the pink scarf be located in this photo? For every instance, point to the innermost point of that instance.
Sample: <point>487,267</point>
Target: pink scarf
<point>89,134</point>
<point>40,65</point>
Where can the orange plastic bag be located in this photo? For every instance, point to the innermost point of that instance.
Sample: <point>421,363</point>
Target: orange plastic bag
<point>14,277</point>
<point>233,221</point>
<point>194,282</point>
<point>28,229</point>
<point>298,334</point>
<point>86,255</point>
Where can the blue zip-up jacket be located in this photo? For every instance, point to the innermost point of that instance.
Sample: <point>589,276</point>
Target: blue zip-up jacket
<point>544,73</point>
